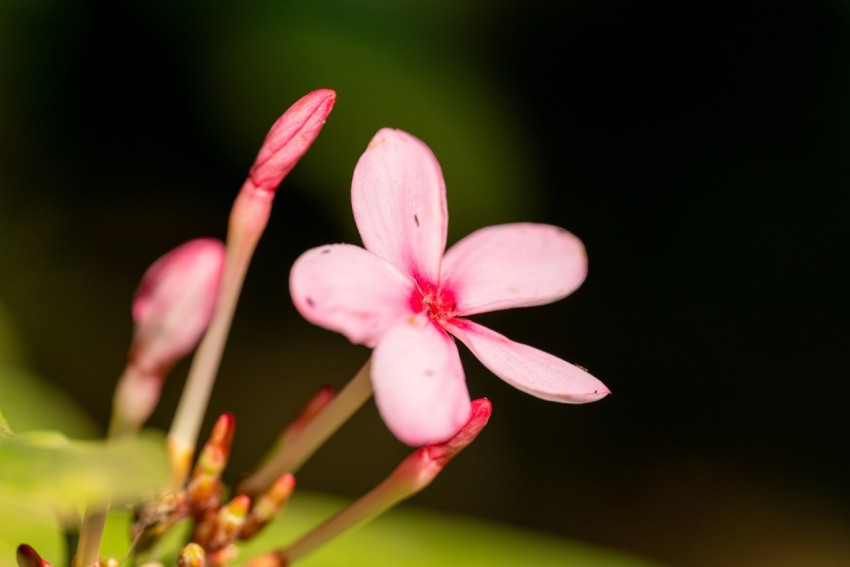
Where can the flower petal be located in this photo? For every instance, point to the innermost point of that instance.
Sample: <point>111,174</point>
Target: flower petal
<point>513,265</point>
<point>419,384</point>
<point>399,201</point>
<point>347,289</point>
<point>526,368</point>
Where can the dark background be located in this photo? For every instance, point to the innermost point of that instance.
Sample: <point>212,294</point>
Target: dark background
<point>700,151</point>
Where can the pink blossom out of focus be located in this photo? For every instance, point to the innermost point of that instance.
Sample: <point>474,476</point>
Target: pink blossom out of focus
<point>174,303</point>
<point>407,297</point>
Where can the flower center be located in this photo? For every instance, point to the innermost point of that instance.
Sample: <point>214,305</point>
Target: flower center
<point>438,303</point>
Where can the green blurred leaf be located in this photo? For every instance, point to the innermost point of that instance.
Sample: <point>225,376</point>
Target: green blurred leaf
<point>30,403</point>
<point>412,537</point>
<point>45,475</point>
<point>48,469</point>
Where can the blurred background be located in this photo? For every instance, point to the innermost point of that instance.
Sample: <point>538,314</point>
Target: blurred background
<point>700,151</point>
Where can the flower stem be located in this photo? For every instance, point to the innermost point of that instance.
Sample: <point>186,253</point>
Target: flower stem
<point>91,531</point>
<point>411,476</point>
<point>287,141</point>
<point>302,445</point>
<point>378,500</point>
<point>242,240</point>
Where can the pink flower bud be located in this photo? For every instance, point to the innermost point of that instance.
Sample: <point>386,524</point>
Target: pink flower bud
<point>419,469</point>
<point>290,137</point>
<point>174,303</point>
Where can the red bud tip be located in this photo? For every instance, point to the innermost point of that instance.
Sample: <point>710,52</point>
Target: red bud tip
<point>442,453</point>
<point>282,488</point>
<point>317,403</point>
<point>420,468</point>
<point>311,409</point>
<point>238,507</point>
<point>290,137</point>
<point>28,557</point>
<point>217,450</point>
<point>229,521</point>
<point>268,505</point>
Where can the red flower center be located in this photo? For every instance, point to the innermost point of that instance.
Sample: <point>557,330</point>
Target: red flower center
<point>439,303</point>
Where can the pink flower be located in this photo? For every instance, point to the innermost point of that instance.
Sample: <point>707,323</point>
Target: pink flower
<point>406,299</point>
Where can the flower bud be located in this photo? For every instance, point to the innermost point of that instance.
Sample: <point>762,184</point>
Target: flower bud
<point>28,557</point>
<point>290,137</point>
<point>192,555</point>
<point>172,308</point>
<point>174,303</point>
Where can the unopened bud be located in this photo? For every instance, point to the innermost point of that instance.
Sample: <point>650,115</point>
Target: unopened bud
<point>192,555</point>
<point>287,141</point>
<point>175,302</point>
<point>171,310</point>
<point>205,487</point>
<point>268,506</point>
<point>290,137</point>
<point>28,557</point>
<point>229,521</point>
<point>419,469</point>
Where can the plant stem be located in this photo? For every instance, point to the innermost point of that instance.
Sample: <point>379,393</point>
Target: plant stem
<point>242,239</point>
<point>91,531</point>
<point>302,445</point>
<point>377,501</point>
<point>412,475</point>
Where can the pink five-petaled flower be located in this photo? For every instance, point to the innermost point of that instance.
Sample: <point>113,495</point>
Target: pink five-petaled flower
<point>404,297</point>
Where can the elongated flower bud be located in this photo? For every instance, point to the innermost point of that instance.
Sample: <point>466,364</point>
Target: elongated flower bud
<point>172,308</point>
<point>287,141</point>
<point>205,487</point>
<point>290,137</point>
<point>419,469</point>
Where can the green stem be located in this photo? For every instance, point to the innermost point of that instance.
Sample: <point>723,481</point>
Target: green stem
<point>91,532</point>
<point>248,220</point>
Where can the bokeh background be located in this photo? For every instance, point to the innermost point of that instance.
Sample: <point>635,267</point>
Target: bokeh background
<point>700,150</point>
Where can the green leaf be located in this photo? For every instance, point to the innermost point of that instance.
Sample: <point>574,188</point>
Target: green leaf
<point>31,403</point>
<point>47,469</point>
<point>45,476</point>
<point>414,537</point>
